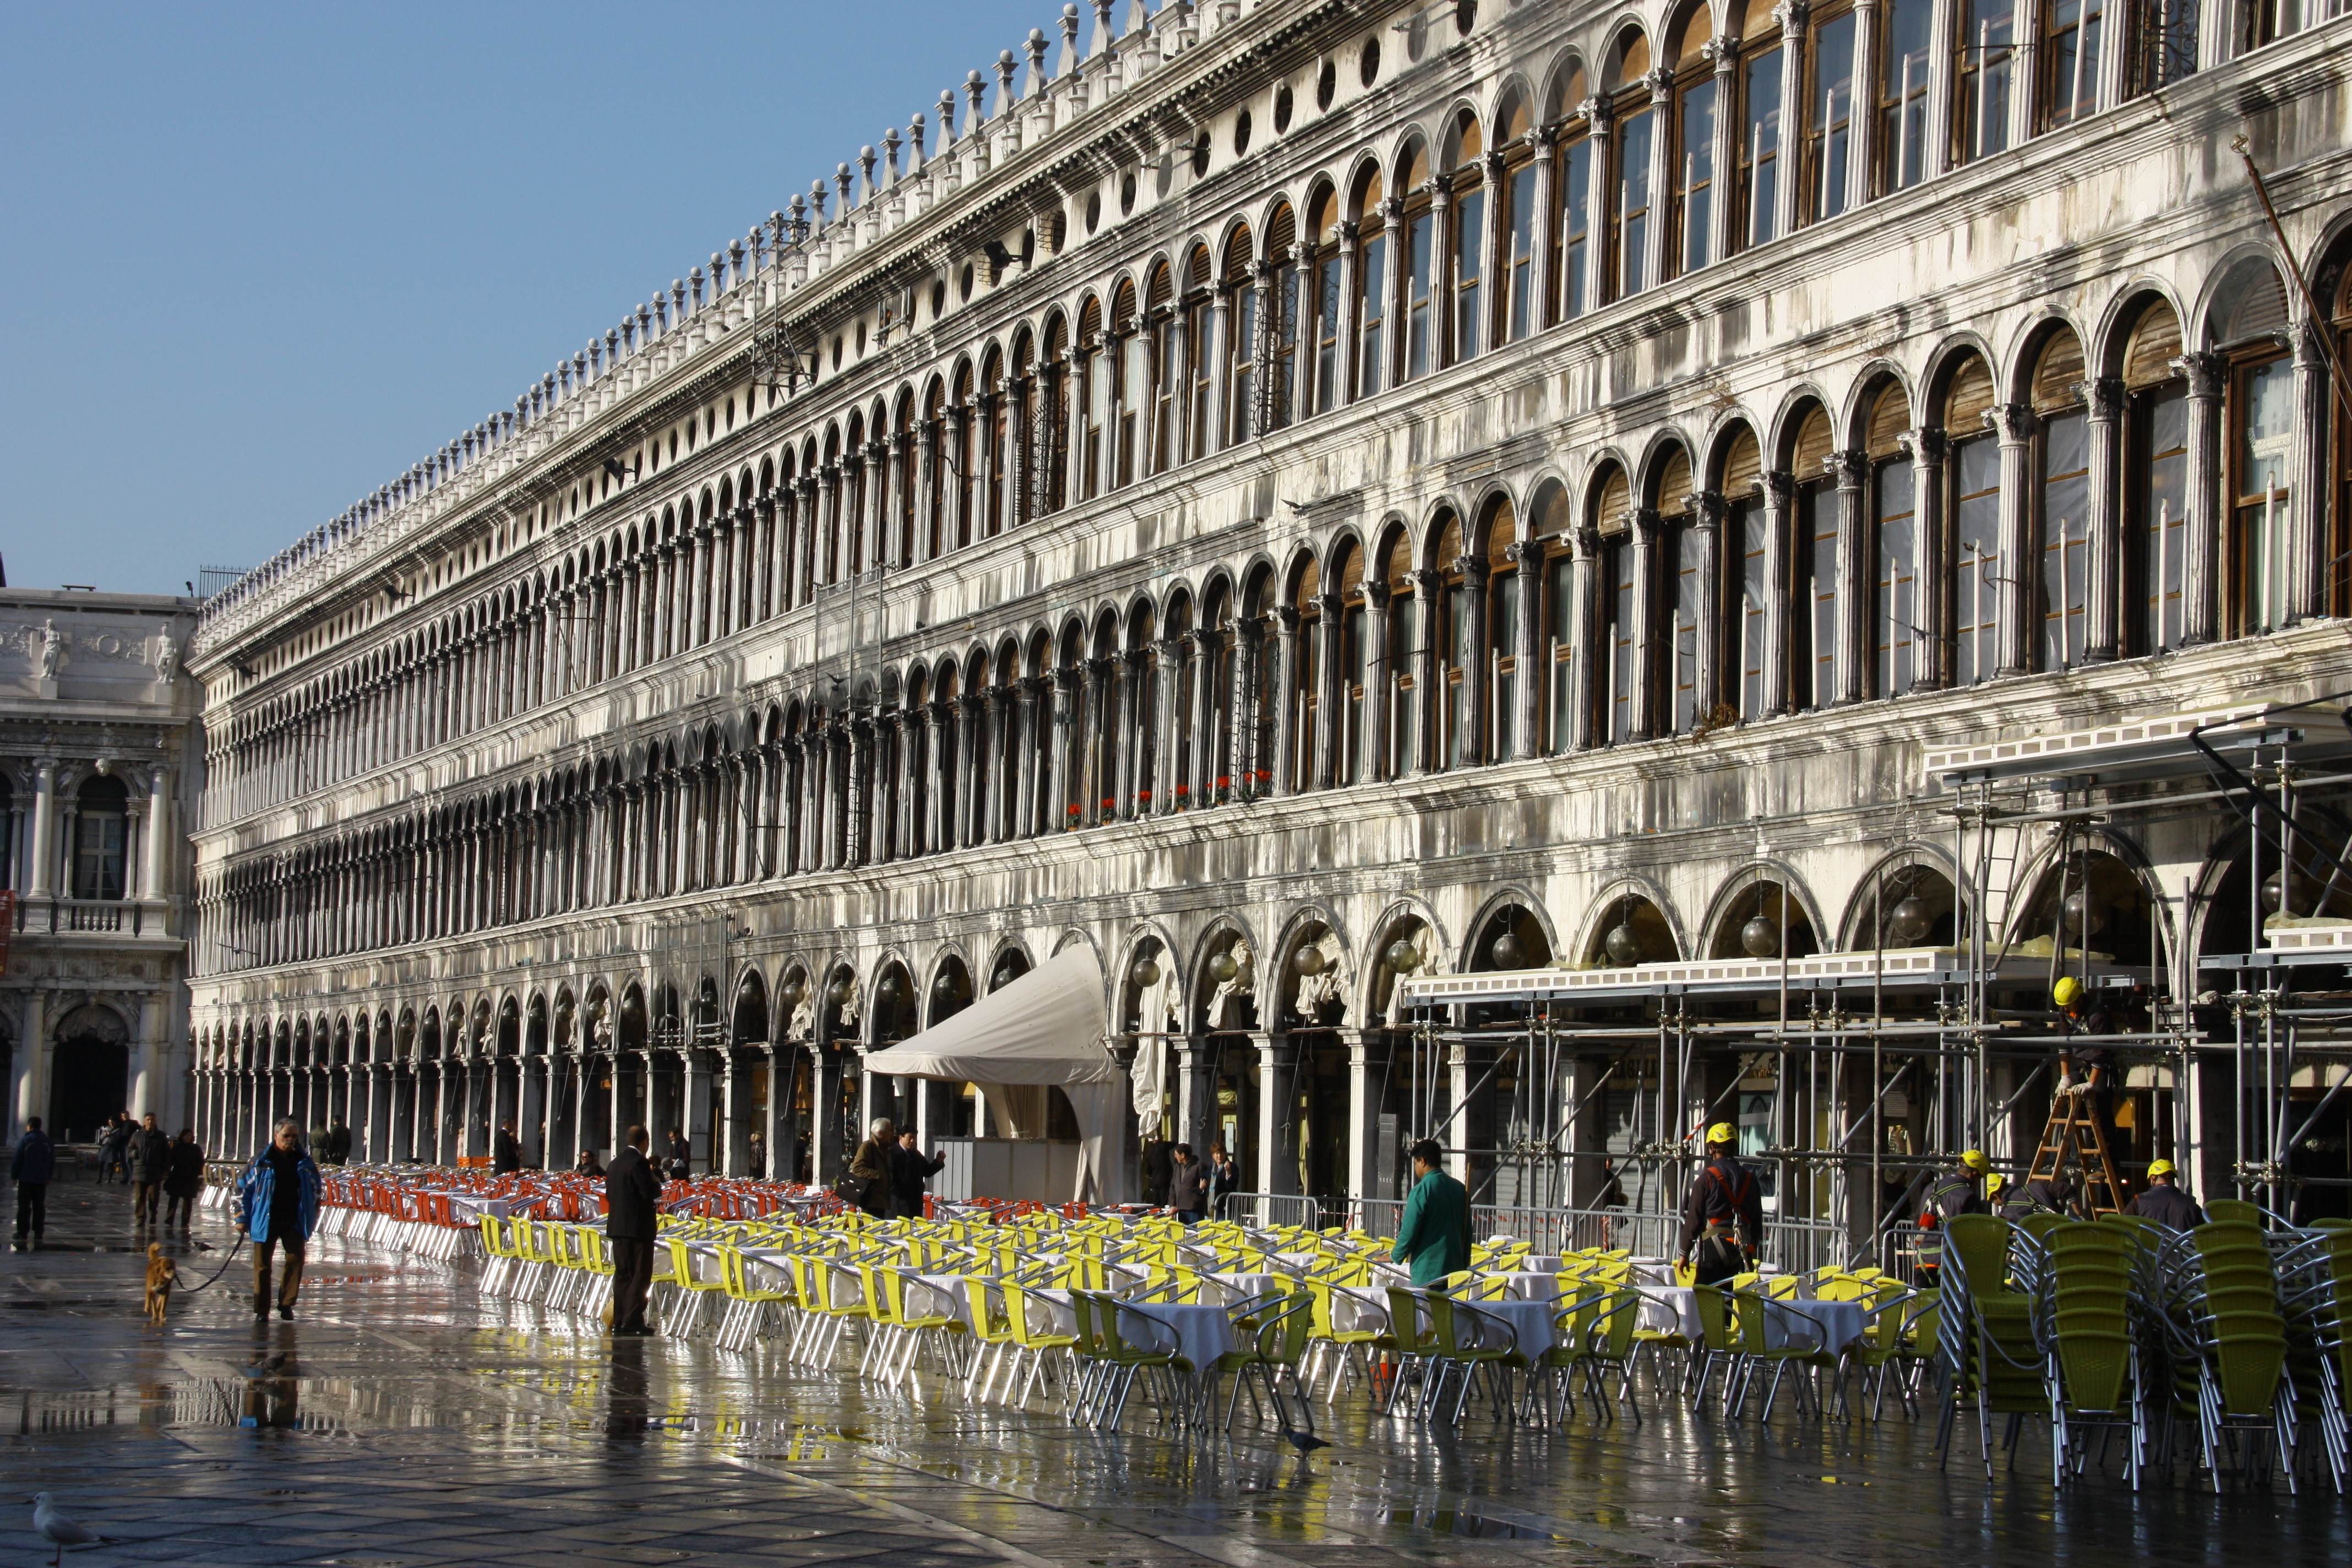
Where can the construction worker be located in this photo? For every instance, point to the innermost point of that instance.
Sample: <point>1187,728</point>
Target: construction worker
<point>1960,1192</point>
<point>1724,1214</point>
<point>2043,1196</point>
<point>2087,1019</point>
<point>1995,1185</point>
<point>2164,1202</point>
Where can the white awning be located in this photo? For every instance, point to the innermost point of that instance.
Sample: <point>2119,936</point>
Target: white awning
<point>1047,1028</point>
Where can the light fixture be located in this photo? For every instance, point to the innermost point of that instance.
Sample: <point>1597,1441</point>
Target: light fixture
<point>1908,920</point>
<point>1404,957</point>
<point>1761,936</point>
<point>945,985</point>
<point>1144,972</point>
<point>2082,916</point>
<point>838,994</point>
<point>1624,948</point>
<point>1507,951</point>
<point>1308,960</point>
<point>1221,968</point>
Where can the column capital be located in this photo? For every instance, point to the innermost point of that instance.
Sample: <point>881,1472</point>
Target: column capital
<point>2203,370</point>
<point>1928,443</point>
<point>2014,421</point>
<point>1792,15</point>
<point>1848,466</point>
<point>2102,395</point>
<point>1661,83</point>
<point>1779,487</point>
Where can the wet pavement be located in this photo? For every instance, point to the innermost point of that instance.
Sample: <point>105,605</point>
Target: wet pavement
<point>404,1420</point>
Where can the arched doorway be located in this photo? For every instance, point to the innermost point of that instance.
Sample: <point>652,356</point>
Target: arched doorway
<point>92,1071</point>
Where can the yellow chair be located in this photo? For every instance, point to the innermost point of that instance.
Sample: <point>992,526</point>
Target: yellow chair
<point>688,1293</point>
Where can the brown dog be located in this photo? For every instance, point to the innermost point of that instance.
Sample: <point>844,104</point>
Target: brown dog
<point>161,1273</point>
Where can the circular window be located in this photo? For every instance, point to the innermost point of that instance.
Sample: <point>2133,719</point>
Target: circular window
<point>861,340</point>
<point>1126,193</point>
<point>1465,15</point>
<point>1241,133</point>
<point>939,300</point>
<point>965,285</point>
<point>1417,37</point>
<point>1094,212</point>
<point>1058,233</point>
<point>1327,85</point>
<point>1282,111</point>
<point>1369,67</point>
<point>1201,154</point>
<point>837,364</point>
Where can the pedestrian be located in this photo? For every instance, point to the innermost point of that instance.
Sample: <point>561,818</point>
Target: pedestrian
<point>756,1158</point>
<point>184,1182</point>
<point>317,1142</point>
<point>588,1165</point>
<point>150,1159</point>
<point>113,1147</point>
<point>911,1176</point>
<point>1724,1214</point>
<point>1188,1185</point>
<point>677,1163</point>
<point>2164,1202</point>
<point>32,1167</point>
<point>280,1194</point>
<point>1225,1179</point>
<point>1156,1164</point>
<point>873,1169</point>
<point>1958,1193</point>
<point>337,1148</point>
<point>1435,1234</point>
<point>505,1149</point>
<point>631,1221</point>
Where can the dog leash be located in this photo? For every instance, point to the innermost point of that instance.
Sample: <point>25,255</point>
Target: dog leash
<point>234,1248</point>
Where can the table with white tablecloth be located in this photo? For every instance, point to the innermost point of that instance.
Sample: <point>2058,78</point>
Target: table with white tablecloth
<point>1232,1287</point>
<point>1199,1334</point>
<point>1834,1325</point>
<point>1531,1325</point>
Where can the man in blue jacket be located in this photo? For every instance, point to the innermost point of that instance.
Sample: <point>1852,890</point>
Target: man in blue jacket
<point>31,1167</point>
<point>1436,1231</point>
<point>278,1196</point>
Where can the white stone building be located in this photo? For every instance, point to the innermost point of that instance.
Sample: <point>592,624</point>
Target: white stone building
<point>1277,491</point>
<point>98,753</point>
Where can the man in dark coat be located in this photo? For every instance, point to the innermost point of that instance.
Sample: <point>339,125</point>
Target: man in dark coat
<point>337,1146</point>
<point>2164,1202</point>
<point>113,1147</point>
<point>677,1162</point>
<point>150,1162</point>
<point>1724,1214</point>
<point>505,1149</point>
<point>31,1167</point>
<point>186,1183</point>
<point>911,1171</point>
<point>632,1220</point>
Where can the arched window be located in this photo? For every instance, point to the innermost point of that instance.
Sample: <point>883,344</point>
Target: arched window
<point>1747,528</point>
<point>1161,324</point>
<point>1324,389</point>
<point>1983,77</point>
<point>965,417</point>
<point>1500,657</point>
<point>1973,464</point>
<point>1090,359</point>
<point>850,502</point>
<point>1691,162</point>
<point>1630,239</point>
<point>1549,516</point>
<point>1128,356</point>
<point>1242,347</point>
<point>1904,59</point>
<point>994,407</point>
<point>2155,481</point>
<point>1282,324</point>
<point>1054,374</point>
<point>1371,287</point>
<point>1468,223</point>
<point>100,815</point>
<point>1417,256</point>
<point>1515,271</point>
<point>1458,647</point>
<point>1755,218</point>
<point>1613,516</point>
<point>1193,396</point>
<point>1827,112</point>
<point>1813,521</point>
<point>2073,39</point>
<point>2062,502</point>
<point>1572,250</point>
<point>1678,546</point>
<point>1348,738</point>
<point>1304,697</point>
<point>1894,614</point>
<point>1399,656</point>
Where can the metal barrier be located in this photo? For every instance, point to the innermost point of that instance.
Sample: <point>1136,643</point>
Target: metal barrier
<point>1278,1208</point>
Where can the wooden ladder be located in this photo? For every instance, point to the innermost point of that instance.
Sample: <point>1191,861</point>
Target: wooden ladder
<point>2074,1130</point>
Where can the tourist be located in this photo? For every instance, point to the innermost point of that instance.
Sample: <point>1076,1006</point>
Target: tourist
<point>873,1169</point>
<point>279,1197</point>
<point>31,1167</point>
<point>678,1162</point>
<point>756,1158</point>
<point>2164,1202</point>
<point>911,1176</point>
<point>113,1145</point>
<point>184,1181</point>
<point>632,1220</point>
<point>1188,1185</point>
<point>588,1165</point>
<point>336,1146</point>
<point>150,1160</point>
<point>505,1149</point>
<point>1434,1235</point>
<point>1727,1204</point>
<point>1225,1179</point>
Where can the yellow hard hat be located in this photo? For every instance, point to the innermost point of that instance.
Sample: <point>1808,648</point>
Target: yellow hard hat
<point>1721,1133</point>
<point>2066,990</point>
<point>1996,1185</point>
<point>2158,1168</point>
<point>1974,1160</point>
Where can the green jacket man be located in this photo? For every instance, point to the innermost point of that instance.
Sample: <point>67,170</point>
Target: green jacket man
<point>1435,1232</point>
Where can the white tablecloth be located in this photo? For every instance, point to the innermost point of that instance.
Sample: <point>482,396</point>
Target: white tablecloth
<point>1199,1334</point>
<point>938,1295</point>
<point>1231,1287</point>
<point>1671,1310</point>
<point>1829,1325</point>
<point>1530,1286</point>
<point>1357,1309</point>
<point>1528,1323</point>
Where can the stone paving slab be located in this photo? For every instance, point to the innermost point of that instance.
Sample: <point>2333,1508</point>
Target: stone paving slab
<point>403,1421</point>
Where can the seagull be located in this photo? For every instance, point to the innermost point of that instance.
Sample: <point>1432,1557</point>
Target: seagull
<point>60,1530</point>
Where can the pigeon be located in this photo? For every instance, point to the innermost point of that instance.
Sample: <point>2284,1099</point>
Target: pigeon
<point>1306,1442</point>
<point>60,1530</point>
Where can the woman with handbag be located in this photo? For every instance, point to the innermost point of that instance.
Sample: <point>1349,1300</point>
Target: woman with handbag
<point>871,1169</point>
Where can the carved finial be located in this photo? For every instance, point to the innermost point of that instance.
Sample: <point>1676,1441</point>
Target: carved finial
<point>816,201</point>
<point>1069,66</point>
<point>975,89</point>
<point>694,273</point>
<point>841,183</point>
<point>890,153</point>
<point>1035,82</point>
<point>677,298</point>
<point>1104,36</point>
<point>1005,65</point>
<point>914,144</point>
<point>947,119</point>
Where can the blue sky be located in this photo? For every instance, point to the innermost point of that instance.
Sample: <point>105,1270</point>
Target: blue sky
<point>258,259</point>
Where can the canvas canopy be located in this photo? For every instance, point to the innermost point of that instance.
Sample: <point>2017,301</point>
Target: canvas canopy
<point>1045,1030</point>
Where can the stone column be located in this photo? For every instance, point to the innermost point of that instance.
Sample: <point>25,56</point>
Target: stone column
<point>2103,519</point>
<point>155,870</point>
<point>1793,15</point>
<point>1648,681</point>
<point>1854,585</point>
<point>2306,564</point>
<point>1199,643</point>
<point>1722,52</point>
<point>1364,1151</point>
<point>1165,661</point>
<point>1590,658</point>
<point>1217,359</point>
<point>1027,785</point>
<point>40,883</point>
<point>1127,744</point>
<point>1707,525</point>
<point>2019,567</point>
<point>1933,661</point>
<point>1661,83</point>
<point>1861,139</point>
<point>1380,682</point>
<point>1286,698</point>
<point>1277,1111</point>
<point>29,1063</point>
<point>1093,778</point>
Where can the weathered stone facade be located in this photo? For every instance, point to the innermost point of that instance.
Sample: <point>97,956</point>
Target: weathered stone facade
<point>1310,477</point>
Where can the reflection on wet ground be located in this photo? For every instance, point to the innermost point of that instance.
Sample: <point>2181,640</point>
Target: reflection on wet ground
<point>402,1420</point>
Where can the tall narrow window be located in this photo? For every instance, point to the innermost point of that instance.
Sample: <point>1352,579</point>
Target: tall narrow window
<point>1128,357</point>
<point>1167,374</point>
<point>2157,496</point>
<point>1678,552</point>
<point>1283,326</point>
<point>1501,655</point>
<point>2162,44</point>
<point>1456,650</point>
<point>1973,465</point>
<point>1329,388</point>
<point>1241,379</point>
<point>1094,360</point>
<point>101,810</point>
<point>1746,532</point>
<point>1516,265</point>
<point>1894,547</point>
<point>1355,673</point>
<point>2074,37</point>
<point>1559,641</point>
<point>1420,225</point>
<point>1755,218</point>
<point>1571,254</point>
<point>1904,68</point>
<point>1199,302</point>
<point>1617,636</point>
<point>1633,205</point>
<point>1814,602</point>
<point>2262,445</point>
<point>1693,155</point>
<point>1400,655</point>
<point>1469,241</point>
<point>2062,499</point>
<point>1983,74</point>
<point>1828,115</point>
<point>1371,295</point>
